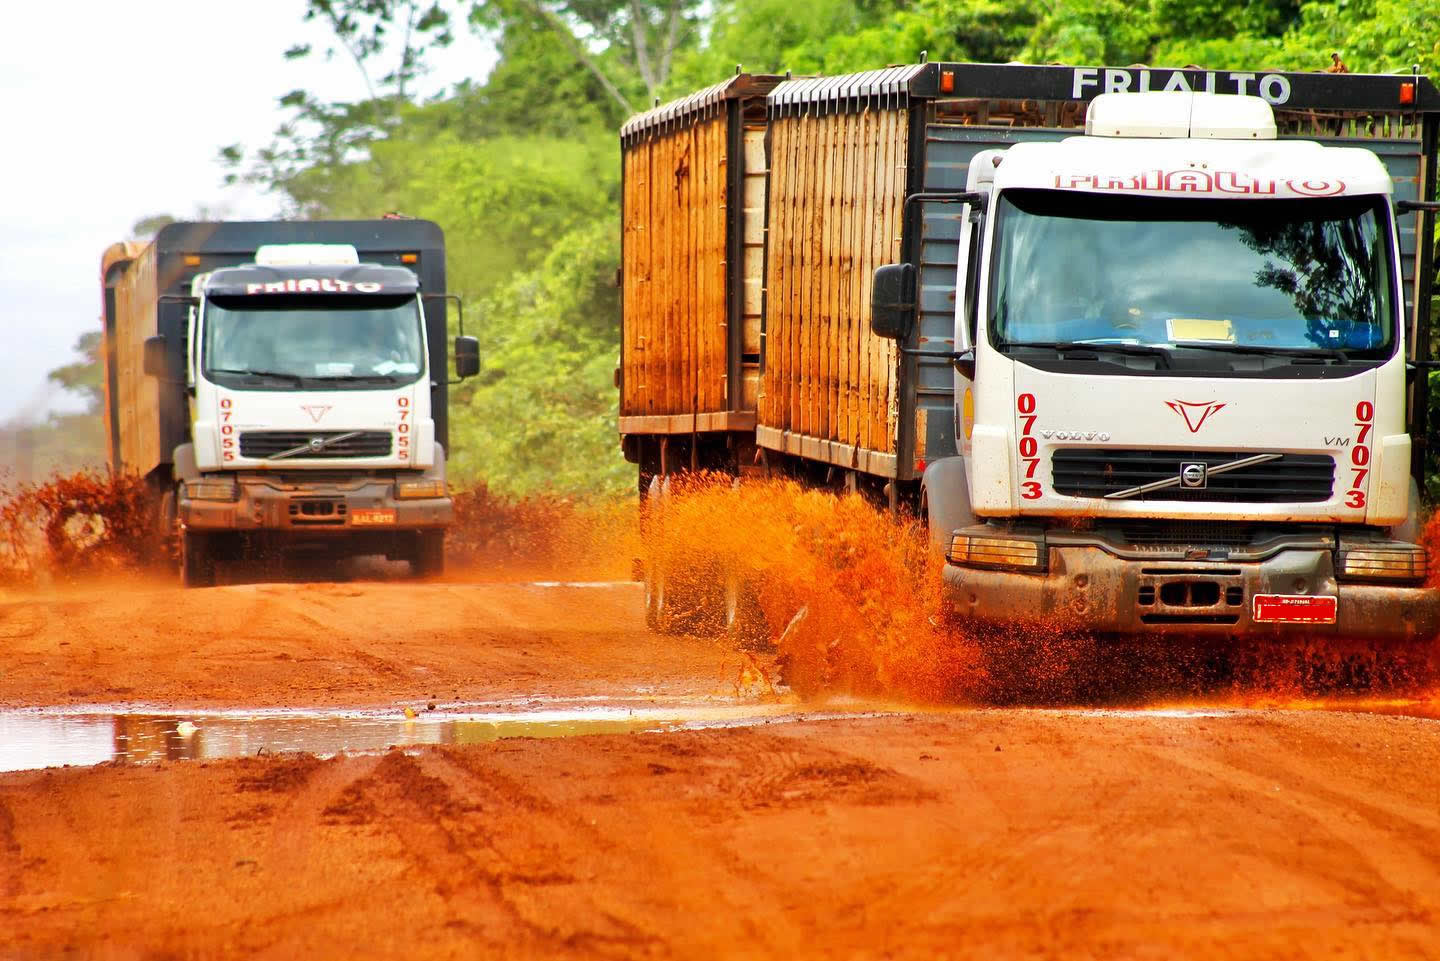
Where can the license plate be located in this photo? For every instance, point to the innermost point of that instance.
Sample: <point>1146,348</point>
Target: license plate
<point>1294,609</point>
<point>372,516</point>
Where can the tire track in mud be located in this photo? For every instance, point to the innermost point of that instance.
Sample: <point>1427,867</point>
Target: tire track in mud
<point>1393,859</point>
<point>527,853</point>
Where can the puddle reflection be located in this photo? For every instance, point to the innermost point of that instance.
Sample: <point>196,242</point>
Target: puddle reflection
<point>30,740</point>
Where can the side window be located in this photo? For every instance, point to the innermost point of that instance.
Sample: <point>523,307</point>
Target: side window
<point>972,267</point>
<point>190,348</point>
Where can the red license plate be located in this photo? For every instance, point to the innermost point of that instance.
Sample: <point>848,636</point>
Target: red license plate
<point>1294,609</point>
<point>372,516</point>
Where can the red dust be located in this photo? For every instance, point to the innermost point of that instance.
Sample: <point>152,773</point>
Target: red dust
<point>854,599</point>
<point>76,524</point>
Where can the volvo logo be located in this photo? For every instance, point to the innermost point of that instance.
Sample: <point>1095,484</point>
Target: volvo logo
<point>1192,475</point>
<point>317,444</point>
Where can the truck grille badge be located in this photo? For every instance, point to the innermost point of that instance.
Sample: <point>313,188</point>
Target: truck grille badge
<point>1195,414</point>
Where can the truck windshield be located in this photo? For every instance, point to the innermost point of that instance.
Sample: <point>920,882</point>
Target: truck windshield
<point>327,342</point>
<point>1294,278</point>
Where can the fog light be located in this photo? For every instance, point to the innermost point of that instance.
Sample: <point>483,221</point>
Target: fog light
<point>212,490</point>
<point>1383,562</point>
<point>419,488</point>
<point>987,550</point>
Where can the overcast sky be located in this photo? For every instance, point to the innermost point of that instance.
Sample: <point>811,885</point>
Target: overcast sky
<point>115,111</point>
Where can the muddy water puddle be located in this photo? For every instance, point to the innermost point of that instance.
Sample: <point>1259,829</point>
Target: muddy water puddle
<point>38,738</point>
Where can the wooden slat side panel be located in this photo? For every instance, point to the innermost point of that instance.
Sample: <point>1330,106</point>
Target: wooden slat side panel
<point>136,297</point>
<point>673,353</point>
<point>628,307</point>
<point>836,198</point>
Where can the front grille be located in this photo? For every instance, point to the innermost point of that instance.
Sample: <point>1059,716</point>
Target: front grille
<point>1098,471</point>
<point>268,443</point>
<point>1198,534</point>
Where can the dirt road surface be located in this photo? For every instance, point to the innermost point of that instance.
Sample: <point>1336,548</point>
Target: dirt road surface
<point>1203,830</point>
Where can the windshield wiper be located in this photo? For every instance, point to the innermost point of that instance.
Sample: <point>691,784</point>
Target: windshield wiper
<point>357,378</point>
<point>1161,355</point>
<point>1263,350</point>
<point>282,375</point>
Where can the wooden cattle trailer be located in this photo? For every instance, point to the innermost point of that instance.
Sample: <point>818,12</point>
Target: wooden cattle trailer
<point>860,171</point>
<point>692,266</point>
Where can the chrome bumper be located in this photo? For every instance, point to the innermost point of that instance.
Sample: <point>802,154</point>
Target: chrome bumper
<point>1087,588</point>
<point>317,509</point>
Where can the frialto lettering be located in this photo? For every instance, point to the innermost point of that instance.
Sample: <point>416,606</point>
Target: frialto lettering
<point>313,285</point>
<point>1199,182</point>
<point>1273,87</point>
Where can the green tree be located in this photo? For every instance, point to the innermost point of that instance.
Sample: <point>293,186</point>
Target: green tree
<point>542,414</point>
<point>85,378</point>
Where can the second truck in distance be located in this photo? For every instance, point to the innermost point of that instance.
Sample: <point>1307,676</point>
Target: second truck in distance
<point>282,387</point>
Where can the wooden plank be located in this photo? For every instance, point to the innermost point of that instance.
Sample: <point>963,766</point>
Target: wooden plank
<point>715,208</point>
<point>772,296</point>
<point>706,318</point>
<point>794,275</point>
<point>834,187</point>
<point>874,159</point>
<point>844,428</point>
<point>814,239</point>
<point>860,283</point>
<point>794,272</point>
<point>672,347</point>
<point>631,273</point>
<point>800,301</point>
<point>655,402</point>
<point>891,348</point>
<point>815,317</point>
<point>684,290</point>
<point>820,316</point>
<point>646,402</point>
<point>884,187</point>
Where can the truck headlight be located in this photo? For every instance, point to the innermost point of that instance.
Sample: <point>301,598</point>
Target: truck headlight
<point>212,490</point>
<point>1383,562</point>
<point>408,489</point>
<point>1000,551</point>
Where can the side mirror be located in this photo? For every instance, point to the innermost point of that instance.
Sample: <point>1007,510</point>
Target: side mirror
<point>467,356</point>
<point>156,361</point>
<point>892,301</point>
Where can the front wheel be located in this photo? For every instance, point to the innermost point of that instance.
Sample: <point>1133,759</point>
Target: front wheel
<point>428,559</point>
<point>197,559</point>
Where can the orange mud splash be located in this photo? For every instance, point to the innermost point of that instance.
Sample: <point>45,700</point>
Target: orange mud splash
<point>89,523</point>
<point>851,594</point>
<point>77,524</point>
<point>854,599</point>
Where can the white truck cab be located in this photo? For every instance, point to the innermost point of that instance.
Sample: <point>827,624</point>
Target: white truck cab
<point>310,407</point>
<point>1182,403</point>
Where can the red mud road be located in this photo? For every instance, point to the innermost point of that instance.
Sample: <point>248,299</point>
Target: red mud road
<point>1205,832</point>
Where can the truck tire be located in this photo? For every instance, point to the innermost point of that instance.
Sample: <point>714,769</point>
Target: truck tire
<point>743,620</point>
<point>197,559</point>
<point>428,559</point>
